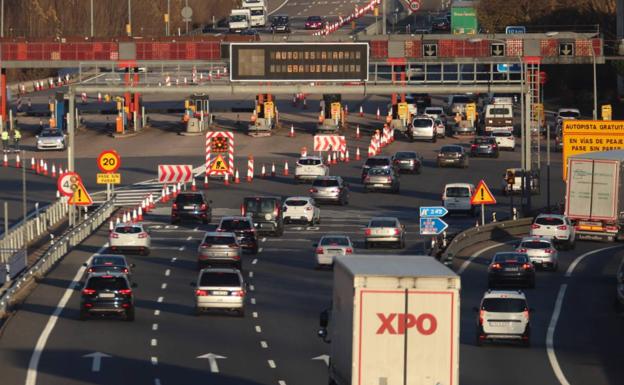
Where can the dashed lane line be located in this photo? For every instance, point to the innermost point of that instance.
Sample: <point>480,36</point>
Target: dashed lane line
<point>154,360</point>
<point>252,287</point>
<point>258,329</point>
<point>189,238</point>
<point>281,382</point>
<point>163,286</point>
<point>181,248</point>
<point>264,344</point>
<point>272,364</point>
<point>253,301</point>
<point>156,381</point>
<point>154,342</point>
<point>251,274</point>
<point>160,299</point>
<point>260,249</point>
<point>255,260</point>
<point>154,326</point>
<point>167,272</point>
<point>254,315</point>
<point>156,312</point>
<point>174,259</point>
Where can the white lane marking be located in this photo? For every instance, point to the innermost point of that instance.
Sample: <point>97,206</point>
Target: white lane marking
<point>264,344</point>
<point>154,326</point>
<point>272,364</point>
<point>33,364</point>
<point>167,272</point>
<point>154,342</point>
<point>154,361</point>
<point>278,7</point>
<point>182,248</point>
<point>258,329</point>
<point>552,326</point>
<point>467,262</point>
<point>251,274</point>
<point>254,314</point>
<point>163,286</point>
<point>157,312</point>
<point>160,299</point>
<point>189,238</point>
<point>255,260</point>
<point>253,301</point>
<point>263,239</point>
<point>156,381</point>
<point>252,287</point>
<point>260,249</point>
<point>281,382</point>
<point>174,259</point>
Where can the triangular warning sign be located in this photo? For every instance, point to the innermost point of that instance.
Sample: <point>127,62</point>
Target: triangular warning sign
<point>81,197</point>
<point>219,164</point>
<point>482,195</point>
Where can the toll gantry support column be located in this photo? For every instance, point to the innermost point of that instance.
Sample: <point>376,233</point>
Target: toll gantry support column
<point>3,96</point>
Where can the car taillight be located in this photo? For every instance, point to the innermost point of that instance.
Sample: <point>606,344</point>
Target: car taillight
<point>527,266</point>
<point>276,211</point>
<point>496,266</point>
<point>564,227</point>
<point>114,235</point>
<point>389,179</point>
<point>481,316</point>
<point>90,270</point>
<point>200,293</point>
<point>204,245</point>
<point>522,250</point>
<point>203,206</point>
<point>88,291</point>
<point>319,250</point>
<point>308,208</point>
<point>125,291</point>
<point>548,251</point>
<point>525,314</point>
<point>125,270</point>
<point>397,231</point>
<point>473,146</point>
<point>313,190</point>
<point>238,293</point>
<point>174,206</point>
<point>367,232</point>
<point>349,250</point>
<point>535,226</point>
<point>143,235</point>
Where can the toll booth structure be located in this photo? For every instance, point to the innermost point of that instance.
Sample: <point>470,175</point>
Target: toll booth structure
<point>197,114</point>
<point>265,116</point>
<point>130,110</point>
<point>332,115</point>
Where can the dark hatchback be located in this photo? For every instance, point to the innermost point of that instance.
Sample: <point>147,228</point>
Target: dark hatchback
<point>510,268</point>
<point>452,155</point>
<point>105,294</point>
<point>244,230</point>
<point>484,146</point>
<point>409,161</point>
<point>265,212</point>
<point>192,205</point>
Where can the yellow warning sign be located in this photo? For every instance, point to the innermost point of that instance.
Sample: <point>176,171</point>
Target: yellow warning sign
<point>219,164</point>
<point>402,110</point>
<point>81,197</point>
<point>482,195</point>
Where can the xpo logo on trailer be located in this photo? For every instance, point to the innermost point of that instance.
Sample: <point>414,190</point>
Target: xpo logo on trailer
<point>425,323</point>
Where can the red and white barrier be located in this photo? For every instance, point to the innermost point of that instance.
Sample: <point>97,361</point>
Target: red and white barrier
<point>250,169</point>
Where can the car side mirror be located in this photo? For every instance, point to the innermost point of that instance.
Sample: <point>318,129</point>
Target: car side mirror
<point>134,285</point>
<point>132,265</point>
<point>324,318</point>
<point>192,284</point>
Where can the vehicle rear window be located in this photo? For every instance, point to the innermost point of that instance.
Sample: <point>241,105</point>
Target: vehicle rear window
<point>549,221</point>
<point>535,245</point>
<point>421,123</point>
<point>309,162</point>
<point>483,140</point>
<point>107,261</point>
<point>260,205</point>
<point>569,114</point>
<point>214,240</point>
<point>189,198</point>
<point>334,241</point>
<point>405,155</point>
<point>504,305</point>
<point>296,202</point>
<point>325,183</point>
<point>502,134</point>
<point>450,149</point>
<point>219,279</point>
<point>379,171</point>
<point>106,283</point>
<point>511,257</point>
<point>235,224</point>
<point>458,192</point>
<point>128,229</point>
<point>377,162</point>
<point>382,223</point>
<point>499,111</point>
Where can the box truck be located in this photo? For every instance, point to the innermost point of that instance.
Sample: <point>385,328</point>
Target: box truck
<point>394,320</point>
<point>239,20</point>
<point>594,194</point>
<point>498,117</point>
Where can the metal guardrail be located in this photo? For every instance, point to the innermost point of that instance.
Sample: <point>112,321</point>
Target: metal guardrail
<point>57,250</point>
<point>37,224</point>
<point>491,231</point>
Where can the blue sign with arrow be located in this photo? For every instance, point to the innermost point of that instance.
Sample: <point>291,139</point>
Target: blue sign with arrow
<point>433,211</point>
<point>432,226</point>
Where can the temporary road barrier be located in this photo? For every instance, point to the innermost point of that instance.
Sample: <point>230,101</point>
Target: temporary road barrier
<point>174,173</point>
<point>250,169</point>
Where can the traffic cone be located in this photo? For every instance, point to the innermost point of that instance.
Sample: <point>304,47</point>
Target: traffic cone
<point>346,109</point>
<point>357,153</point>
<point>357,132</point>
<point>18,162</point>
<point>226,179</point>
<point>205,181</point>
<point>53,171</point>
<point>134,215</point>
<point>5,161</point>
<point>151,201</point>
<point>117,221</point>
<point>99,97</point>
<point>177,190</point>
<point>292,131</point>
<point>347,156</point>
<point>361,111</point>
<point>334,160</point>
<point>342,156</point>
<point>45,169</point>
<point>111,226</point>
<point>236,177</point>
<point>273,169</point>
<point>294,101</point>
<point>285,168</point>
<point>32,163</point>
<point>305,103</point>
<point>193,186</point>
<point>263,172</point>
<point>378,117</point>
<point>163,194</point>
<point>140,214</point>
<point>124,218</point>
<point>329,159</point>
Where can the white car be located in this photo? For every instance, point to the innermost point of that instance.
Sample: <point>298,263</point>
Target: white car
<point>440,128</point>
<point>309,168</point>
<point>505,140</point>
<point>331,246</point>
<point>51,139</point>
<point>503,315</point>
<point>130,236</point>
<point>541,252</point>
<point>222,288</point>
<point>557,227</point>
<point>456,197</point>
<point>422,128</point>
<point>434,112</point>
<point>567,113</point>
<point>301,209</point>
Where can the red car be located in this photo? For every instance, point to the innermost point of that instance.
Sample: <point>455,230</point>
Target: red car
<point>314,22</point>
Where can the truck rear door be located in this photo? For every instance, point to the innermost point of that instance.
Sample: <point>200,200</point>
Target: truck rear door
<point>592,189</point>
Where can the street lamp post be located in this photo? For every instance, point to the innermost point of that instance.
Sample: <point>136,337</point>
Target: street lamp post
<point>129,17</point>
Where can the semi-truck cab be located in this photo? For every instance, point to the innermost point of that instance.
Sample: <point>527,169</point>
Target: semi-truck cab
<point>239,20</point>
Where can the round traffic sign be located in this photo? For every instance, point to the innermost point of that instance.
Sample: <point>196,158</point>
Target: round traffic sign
<point>66,183</point>
<point>109,161</point>
<point>414,5</point>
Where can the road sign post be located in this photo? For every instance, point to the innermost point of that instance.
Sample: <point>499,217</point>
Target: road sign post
<point>482,196</point>
<point>430,222</point>
<point>108,162</point>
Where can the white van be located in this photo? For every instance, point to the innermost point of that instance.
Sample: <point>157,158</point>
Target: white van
<point>422,128</point>
<point>456,197</point>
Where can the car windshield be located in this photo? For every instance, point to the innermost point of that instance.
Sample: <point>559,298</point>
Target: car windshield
<point>379,171</point>
<point>280,20</point>
<point>382,223</point>
<point>448,149</point>
<point>235,224</point>
<point>421,123</point>
<point>107,283</point>
<point>49,134</point>
<point>222,240</point>
<point>257,12</point>
<point>458,192</point>
<point>325,183</point>
<point>128,229</point>
<point>549,221</point>
<point>334,241</point>
<point>189,198</point>
<point>510,258</point>
<point>535,245</point>
<point>377,162</point>
<point>569,114</point>
<point>309,162</point>
<point>237,18</point>
<point>499,111</point>
<point>314,18</point>
<point>108,261</point>
<point>502,134</point>
<point>504,305</point>
<point>220,279</point>
<point>405,155</point>
<point>260,205</point>
<point>296,202</point>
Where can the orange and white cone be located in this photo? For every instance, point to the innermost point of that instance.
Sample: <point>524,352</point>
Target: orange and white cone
<point>174,191</point>
<point>45,169</point>
<point>111,226</point>
<point>53,171</point>
<point>329,159</point>
<point>18,162</point>
<point>357,154</point>
<point>273,169</point>
<point>304,152</point>
<point>342,156</point>
<point>263,172</point>
<point>285,168</point>
<point>140,214</point>
<point>134,215</point>
<point>361,111</point>
<point>291,134</point>
<point>357,132</point>
<point>205,181</point>
<point>346,159</point>
<point>193,185</point>
<point>334,158</point>
<point>226,179</point>
<point>124,218</point>
<point>236,177</point>
<point>5,160</point>
<point>117,221</point>
<point>378,116</point>
<point>163,195</point>
<point>32,163</point>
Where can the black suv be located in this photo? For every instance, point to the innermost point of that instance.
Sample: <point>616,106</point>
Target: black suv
<point>244,230</point>
<point>280,23</point>
<point>107,293</point>
<point>265,212</point>
<point>191,205</point>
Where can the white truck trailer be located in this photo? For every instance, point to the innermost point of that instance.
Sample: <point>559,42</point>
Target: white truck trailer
<point>394,320</point>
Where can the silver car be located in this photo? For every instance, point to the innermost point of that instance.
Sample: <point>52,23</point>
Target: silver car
<point>219,248</point>
<point>330,188</point>
<point>51,139</point>
<point>220,289</point>
<point>331,246</point>
<point>541,252</point>
<point>384,230</point>
<point>382,179</point>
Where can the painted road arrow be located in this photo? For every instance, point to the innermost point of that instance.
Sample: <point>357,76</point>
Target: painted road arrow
<point>324,358</point>
<point>432,211</point>
<point>96,363</point>
<point>432,226</point>
<point>212,359</point>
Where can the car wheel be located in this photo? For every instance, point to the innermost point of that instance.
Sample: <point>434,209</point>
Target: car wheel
<point>130,315</point>
<point>526,343</point>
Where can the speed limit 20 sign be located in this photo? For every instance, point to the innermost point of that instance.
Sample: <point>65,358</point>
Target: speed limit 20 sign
<point>109,161</point>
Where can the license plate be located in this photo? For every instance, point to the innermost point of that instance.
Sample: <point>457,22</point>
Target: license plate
<point>511,269</point>
<point>335,251</point>
<point>220,292</point>
<point>189,207</point>
<point>107,295</point>
<point>483,147</point>
<point>378,185</point>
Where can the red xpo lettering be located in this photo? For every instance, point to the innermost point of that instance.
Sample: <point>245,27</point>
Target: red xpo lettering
<point>425,323</point>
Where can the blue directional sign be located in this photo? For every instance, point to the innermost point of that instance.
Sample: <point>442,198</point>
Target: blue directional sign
<point>432,211</point>
<point>513,29</point>
<point>508,67</point>
<point>432,226</point>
